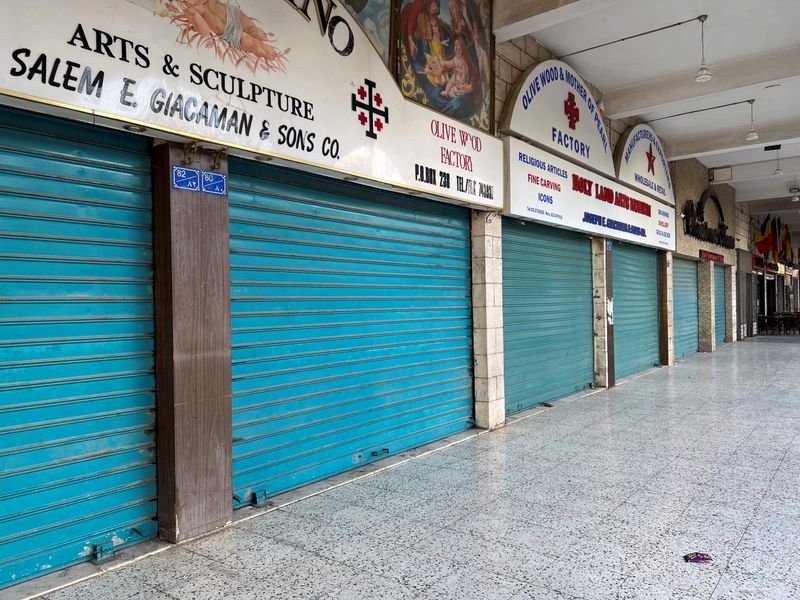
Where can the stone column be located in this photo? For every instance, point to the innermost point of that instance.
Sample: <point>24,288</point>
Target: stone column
<point>730,302</point>
<point>487,319</point>
<point>705,305</point>
<point>600,299</point>
<point>665,310</point>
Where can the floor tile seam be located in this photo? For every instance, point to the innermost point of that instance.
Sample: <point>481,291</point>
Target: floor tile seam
<point>374,573</point>
<point>277,537</point>
<point>747,527</point>
<point>565,595</point>
<point>494,540</point>
<point>504,539</point>
<point>537,410</point>
<point>219,560</point>
<point>365,476</point>
<point>44,595</point>
<point>316,554</point>
<point>504,575</point>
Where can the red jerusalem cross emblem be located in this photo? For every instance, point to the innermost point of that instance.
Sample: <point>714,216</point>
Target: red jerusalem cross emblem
<point>367,103</point>
<point>651,160</point>
<point>571,110</point>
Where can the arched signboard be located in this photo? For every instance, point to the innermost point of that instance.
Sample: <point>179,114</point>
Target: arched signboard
<point>642,163</point>
<point>553,108</point>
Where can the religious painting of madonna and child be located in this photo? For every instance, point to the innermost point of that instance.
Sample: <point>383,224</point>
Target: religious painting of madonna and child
<point>445,57</point>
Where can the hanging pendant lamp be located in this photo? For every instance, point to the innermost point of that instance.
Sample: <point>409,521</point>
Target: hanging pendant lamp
<point>752,135</point>
<point>703,73</point>
<point>778,170</point>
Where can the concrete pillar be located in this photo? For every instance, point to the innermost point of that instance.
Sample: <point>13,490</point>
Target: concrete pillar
<point>730,302</point>
<point>666,316</point>
<point>601,306</point>
<point>705,305</point>
<point>487,319</point>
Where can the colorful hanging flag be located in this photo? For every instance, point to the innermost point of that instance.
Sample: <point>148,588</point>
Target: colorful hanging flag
<point>776,240</point>
<point>786,247</point>
<point>765,237</point>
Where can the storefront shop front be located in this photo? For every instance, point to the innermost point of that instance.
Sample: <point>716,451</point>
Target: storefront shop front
<point>574,234</point>
<point>247,245</point>
<point>705,310</point>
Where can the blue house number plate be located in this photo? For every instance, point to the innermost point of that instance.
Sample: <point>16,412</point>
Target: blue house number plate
<point>185,179</point>
<point>214,183</point>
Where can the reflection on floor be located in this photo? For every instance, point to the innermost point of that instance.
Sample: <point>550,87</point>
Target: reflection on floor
<point>598,497</point>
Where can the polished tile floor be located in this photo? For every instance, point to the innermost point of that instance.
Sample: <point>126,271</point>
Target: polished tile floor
<point>598,497</point>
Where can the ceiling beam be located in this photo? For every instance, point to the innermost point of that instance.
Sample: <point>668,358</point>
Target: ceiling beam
<point>662,93</point>
<point>757,170</point>
<point>774,193</point>
<point>731,140</point>
<point>515,18</point>
<point>775,205</point>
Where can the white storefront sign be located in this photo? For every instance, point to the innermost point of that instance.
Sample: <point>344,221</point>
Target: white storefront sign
<point>642,163</point>
<point>553,108</point>
<point>295,80</point>
<point>546,188</point>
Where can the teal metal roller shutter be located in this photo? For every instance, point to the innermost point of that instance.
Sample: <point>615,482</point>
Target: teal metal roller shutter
<point>77,401</point>
<point>719,304</point>
<point>635,281</point>
<point>547,313</point>
<point>684,303</point>
<point>351,326</point>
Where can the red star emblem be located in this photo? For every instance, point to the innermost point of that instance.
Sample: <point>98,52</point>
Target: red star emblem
<point>378,100</point>
<point>651,161</point>
<point>362,93</point>
<point>362,118</point>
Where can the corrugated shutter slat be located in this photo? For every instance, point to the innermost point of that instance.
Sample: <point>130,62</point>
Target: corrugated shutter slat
<point>547,313</point>
<point>352,326</point>
<point>77,401</point>
<point>684,294</point>
<point>719,304</point>
<point>635,281</point>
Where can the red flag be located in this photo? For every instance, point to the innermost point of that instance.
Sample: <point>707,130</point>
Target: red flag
<point>765,237</point>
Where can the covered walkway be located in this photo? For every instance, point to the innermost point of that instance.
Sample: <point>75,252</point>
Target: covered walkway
<point>597,497</point>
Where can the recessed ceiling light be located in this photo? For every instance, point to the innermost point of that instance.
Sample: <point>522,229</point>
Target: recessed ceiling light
<point>134,128</point>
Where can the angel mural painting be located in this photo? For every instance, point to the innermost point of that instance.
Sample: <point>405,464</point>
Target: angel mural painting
<point>445,57</point>
<point>228,30</point>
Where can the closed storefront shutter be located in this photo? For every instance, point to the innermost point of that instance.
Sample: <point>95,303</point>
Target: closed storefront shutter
<point>684,294</point>
<point>77,401</point>
<point>719,304</point>
<point>547,313</point>
<point>352,326</point>
<point>635,282</point>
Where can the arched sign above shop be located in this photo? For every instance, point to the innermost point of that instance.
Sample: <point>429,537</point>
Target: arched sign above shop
<point>552,107</point>
<point>642,163</point>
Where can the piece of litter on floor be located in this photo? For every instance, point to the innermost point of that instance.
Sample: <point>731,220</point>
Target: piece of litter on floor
<point>697,557</point>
